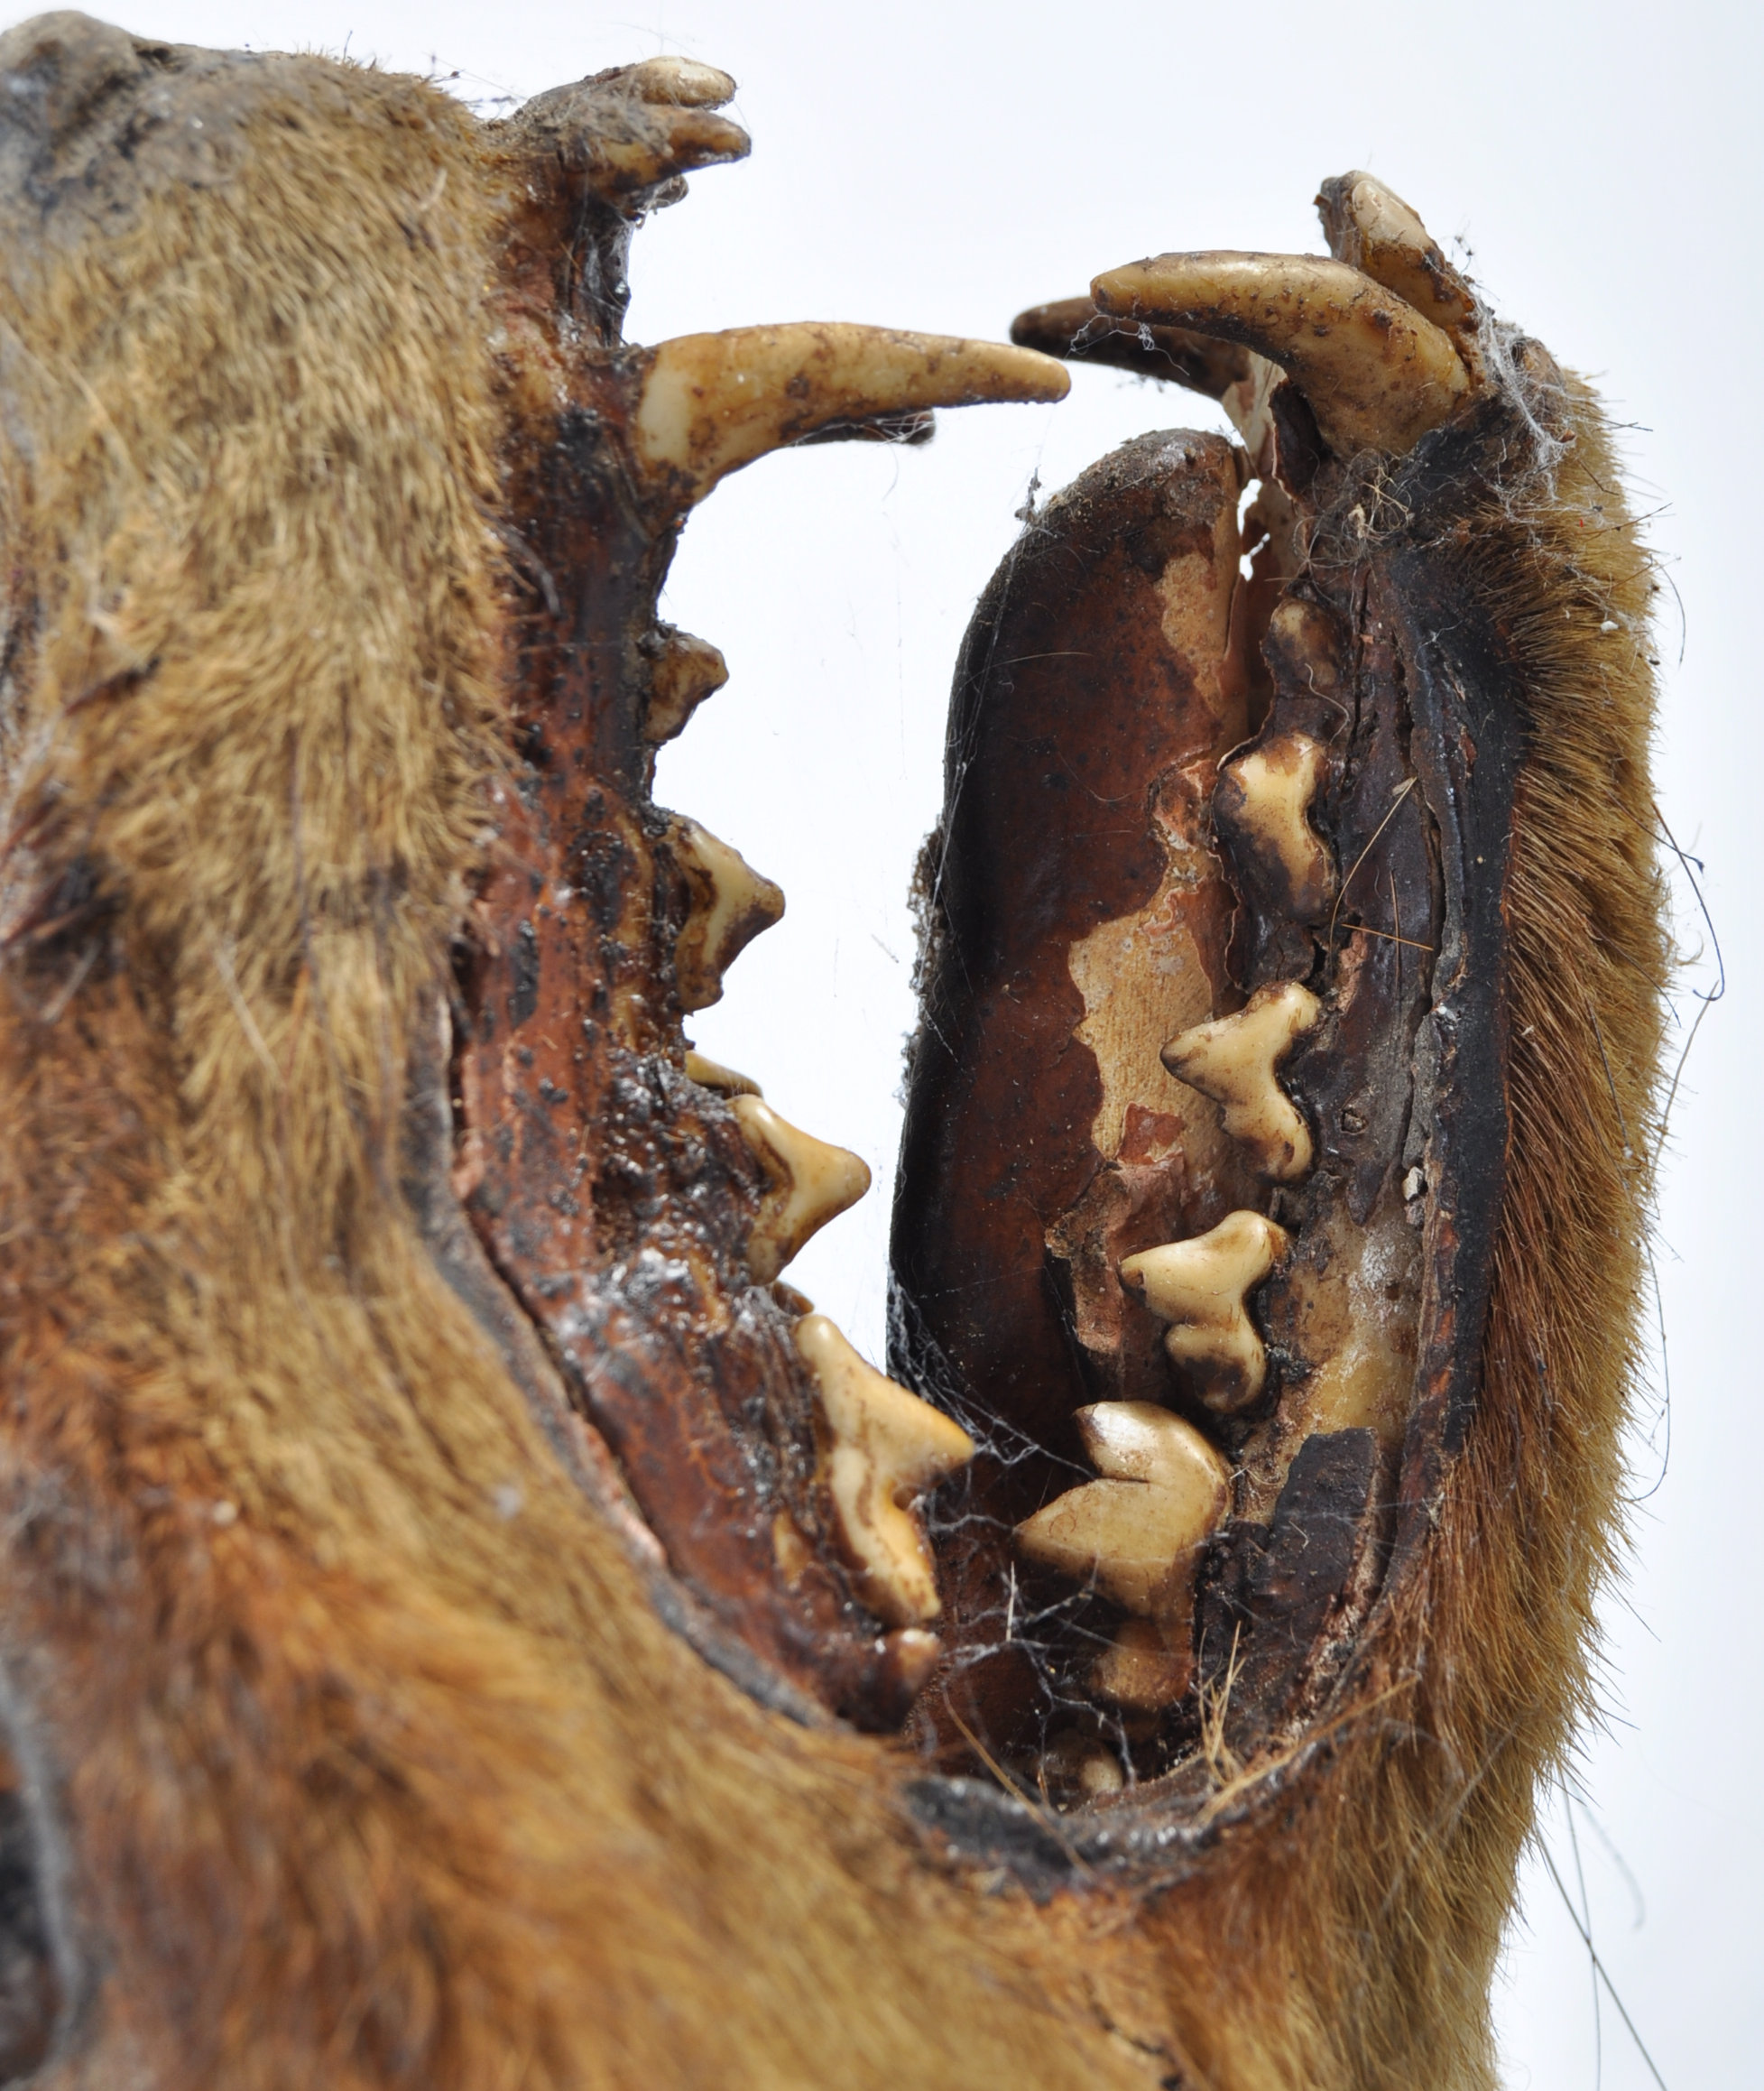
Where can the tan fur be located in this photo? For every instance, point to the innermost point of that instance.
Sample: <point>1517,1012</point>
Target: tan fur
<point>368,1763</point>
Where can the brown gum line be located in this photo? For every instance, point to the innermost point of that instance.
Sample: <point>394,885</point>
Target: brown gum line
<point>612,1196</point>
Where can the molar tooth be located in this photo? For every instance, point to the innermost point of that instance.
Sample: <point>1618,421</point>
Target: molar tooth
<point>1263,798</point>
<point>731,904</point>
<point>1199,1287</point>
<point>712,402</point>
<point>1369,227</point>
<point>1148,1665</point>
<point>684,672</point>
<point>1133,1534</point>
<point>711,1074</point>
<point>1233,1060</point>
<point>1378,375</point>
<point>812,1182</point>
<point>887,1447</point>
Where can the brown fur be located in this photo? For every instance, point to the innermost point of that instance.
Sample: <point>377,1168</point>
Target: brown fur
<point>344,1773</point>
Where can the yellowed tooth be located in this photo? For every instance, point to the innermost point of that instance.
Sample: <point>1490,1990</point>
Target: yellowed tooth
<point>712,402</point>
<point>731,904</point>
<point>1133,1534</point>
<point>886,1447</point>
<point>1263,798</point>
<point>711,1074</point>
<point>636,129</point>
<point>1378,375</point>
<point>1233,1060</point>
<point>684,672</point>
<point>1146,1667</point>
<point>685,81</point>
<point>1199,1287</point>
<point>811,1183</point>
<point>1371,228</point>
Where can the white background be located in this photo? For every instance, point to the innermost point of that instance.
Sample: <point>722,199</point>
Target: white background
<point>940,167</point>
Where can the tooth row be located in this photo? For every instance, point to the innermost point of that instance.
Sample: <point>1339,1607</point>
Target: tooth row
<point>731,904</point>
<point>811,1183</point>
<point>1199,1287</point>
<point>1264,799</point>
<point>1377,374</point>
<point>1234,1059</point>
<point>885,1448</point>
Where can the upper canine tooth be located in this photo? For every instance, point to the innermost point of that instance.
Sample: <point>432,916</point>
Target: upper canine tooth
<point>1369,227</point>
<point>731,904</point>
<point>1264,798</point>
<point>1072,326</point>
<point>1378,375</point>
<point>1132,1533</point>
<point>712,402</point>
<point>812,1182</point>
<point>684,671</point>
<point>1200,1286</point>
<point>887,1447</point>
<point>1233,1060</point>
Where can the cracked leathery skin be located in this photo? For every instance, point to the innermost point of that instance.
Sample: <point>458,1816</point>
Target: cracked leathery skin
<point>468,1621</point>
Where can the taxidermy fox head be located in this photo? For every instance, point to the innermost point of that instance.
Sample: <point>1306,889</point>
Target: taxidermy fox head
<point>469,1622</point>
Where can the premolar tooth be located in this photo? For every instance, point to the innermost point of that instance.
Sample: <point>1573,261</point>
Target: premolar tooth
<point>684,672</point>
<point>1378,375</point>
<point>812,1182</point>
<point>731,904</point>
<point>1199,1287</point>
<point>1263,798</point>
<point>1133,1534</point>
<point>712,402</point>
<point>1147,1665</point>
<point>711,1074</point>
<point>887,1447</point>
<point>1369,227</point>
<point>1233,1060</point>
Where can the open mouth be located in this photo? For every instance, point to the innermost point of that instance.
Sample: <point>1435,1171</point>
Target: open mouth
<point>1209,1111</point>
<point>1214,1559</point>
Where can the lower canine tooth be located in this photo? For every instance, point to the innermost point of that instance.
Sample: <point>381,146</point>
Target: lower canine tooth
<point>1233,1060</point>
<point>731,904</point>
<point>812,1182</point>
<point>1262,800</point>
<point>1199,1286</point>
<point>887,1447</point>
<point>1132,1533</point>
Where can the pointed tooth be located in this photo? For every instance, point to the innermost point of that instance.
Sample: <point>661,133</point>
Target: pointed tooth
<point>684,671</point>
<point>635,130</point>
<point>1072,328</point>
<point>1377,374</point>
<point>685,81</point>
<point>712,402</point>
<point>812,1182</point>
<point>1371,228</point>
<point>731,904</point>
<point>1133,1534</point>
<point>711,1074</point>
<point>886,1447</point>
<point>1262,800</point>
<point>1233,1060</point>
<point>1199,1287</point>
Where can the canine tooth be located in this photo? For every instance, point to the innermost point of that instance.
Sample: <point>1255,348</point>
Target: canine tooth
<point>1378,375</point>
<point>1199,1286</point>
<point>887,1447</point>
<point>1371,228</point>
<point>1132,1533</point>
<point>684,672</point>
<point>1073,328</point>
<point>712,402</point>
<point>812,1182</point>
<point>1233,1060</point>
<point>1264,797</point>
<point>731,904</point>
<point>711,1074</point>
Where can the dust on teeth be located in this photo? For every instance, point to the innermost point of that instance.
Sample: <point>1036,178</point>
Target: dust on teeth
<point>885,1448</point>
<point>1377,374</point>
<point>1234,1059</point>
<point>684,671</point>
<point>731,904</point>
<point>1200,1286</point>
<point>811,1183</point>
